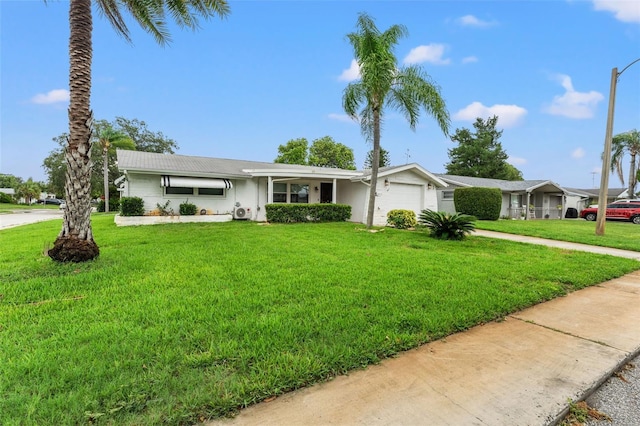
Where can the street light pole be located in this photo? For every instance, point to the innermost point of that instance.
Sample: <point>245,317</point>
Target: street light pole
<point>606,156</point>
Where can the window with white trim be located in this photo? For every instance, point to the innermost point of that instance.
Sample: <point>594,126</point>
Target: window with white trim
<point>211,191</point>
<point>447,195</point>
<point>175,190</point>
<point>299,193</point>
<point>279,192</point>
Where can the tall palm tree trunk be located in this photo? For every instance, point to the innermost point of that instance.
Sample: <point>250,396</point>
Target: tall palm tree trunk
<point>75,241</point>
<point>374,167</point>
<point>632,175</point>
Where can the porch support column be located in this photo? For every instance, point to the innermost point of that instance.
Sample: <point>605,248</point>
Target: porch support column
<point>269,190</point>
<point>528,216</point>
<point>334,191</point>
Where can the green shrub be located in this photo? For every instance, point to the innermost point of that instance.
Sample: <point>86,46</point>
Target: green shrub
<point>114,205</point>
<point>483,203</point>
<point>402,219</point>
<point>447,226</point>
<point>131,206</point>
<point>188,209</point>
<point>291,213</point>
<point>5,198</point>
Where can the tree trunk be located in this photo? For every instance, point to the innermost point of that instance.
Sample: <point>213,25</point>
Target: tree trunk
<point>375,165</point>
<point>632,175</point>
<point>75,241</point>
<point>105,174</point>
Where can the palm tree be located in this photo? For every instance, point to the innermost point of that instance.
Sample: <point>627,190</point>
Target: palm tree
<point>29,190</point>
<point>75,242</point>
<point>621,144</point>
<point>383,84</point>
<point>110,139</point>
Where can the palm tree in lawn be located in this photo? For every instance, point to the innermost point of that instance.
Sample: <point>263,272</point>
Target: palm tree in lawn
<point>383,84</point>
<point>109,140</point>
<point>75,242</point>
<point>627,142</point>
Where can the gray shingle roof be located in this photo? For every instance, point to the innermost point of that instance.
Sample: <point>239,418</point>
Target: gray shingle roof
<point>201,166</point>
<point>503,185</point>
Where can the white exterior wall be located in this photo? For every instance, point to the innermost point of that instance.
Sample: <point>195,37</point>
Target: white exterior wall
<point>354,194</point>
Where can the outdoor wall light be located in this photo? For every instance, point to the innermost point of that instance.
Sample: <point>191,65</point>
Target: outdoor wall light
<point>386,183</point>
<point>316,188</point>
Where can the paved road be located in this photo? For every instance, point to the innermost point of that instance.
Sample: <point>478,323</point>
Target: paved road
<point>10,220</point>
<point>619,398</point>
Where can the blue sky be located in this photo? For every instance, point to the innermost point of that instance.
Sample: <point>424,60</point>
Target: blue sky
<point>275,70</point>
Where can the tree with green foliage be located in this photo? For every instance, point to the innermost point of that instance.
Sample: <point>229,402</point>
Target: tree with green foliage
<point>10,181</point>
<point>75,241</point>
<point>384,84</point>
<point>144,139</point>
<point>621,144</point>
<point>109,140</point>
<point>325,152</point>
<point>295,151</point>
<point>384,160</point>
<point>29,190</point>
<point>480,153</point>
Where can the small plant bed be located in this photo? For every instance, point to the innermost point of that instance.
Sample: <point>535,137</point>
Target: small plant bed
<point>176,324</point>
<point>622,235</point>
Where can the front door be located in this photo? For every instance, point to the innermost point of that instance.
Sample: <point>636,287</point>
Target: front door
<point>326,192</point>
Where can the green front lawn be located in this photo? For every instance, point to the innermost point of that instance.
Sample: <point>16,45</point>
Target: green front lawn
<point>7,208</point>
<point>618,234</point>
<point>178,323</point>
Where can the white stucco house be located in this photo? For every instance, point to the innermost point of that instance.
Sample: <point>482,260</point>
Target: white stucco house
<point>531,199</point>
<point>241,188</point>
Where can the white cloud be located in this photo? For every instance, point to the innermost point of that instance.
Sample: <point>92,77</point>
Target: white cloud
<point>516,161</point>
<point>573,104</point>
<point>51,97</point>
<point>472,21</point>
<point>508,115</point>
<point>469,59</point>
<point>431,53</point>
<point>623,10</point>
<point>352,73</point>
<point>341,117</point>
<point>577,153</point>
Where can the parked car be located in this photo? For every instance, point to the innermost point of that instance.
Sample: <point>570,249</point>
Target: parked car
<point>63,205</point>
<point>620,210</point>
<point>54,201</point>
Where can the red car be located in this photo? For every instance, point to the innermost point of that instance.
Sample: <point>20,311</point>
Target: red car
<point>622,210</point>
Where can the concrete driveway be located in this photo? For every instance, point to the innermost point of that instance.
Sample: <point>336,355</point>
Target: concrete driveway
<point>25,217</point>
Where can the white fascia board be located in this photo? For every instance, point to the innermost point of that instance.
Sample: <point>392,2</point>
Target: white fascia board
<point>301,173</point>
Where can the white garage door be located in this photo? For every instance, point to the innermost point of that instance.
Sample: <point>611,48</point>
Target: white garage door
<point>398,196</point>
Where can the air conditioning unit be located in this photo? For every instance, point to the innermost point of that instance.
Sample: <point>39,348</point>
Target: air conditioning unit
<point>242,213</point>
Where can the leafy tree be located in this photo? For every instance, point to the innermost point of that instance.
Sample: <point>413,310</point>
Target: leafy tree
<point>296,151</point>
<point>9,181</point>
<point>621,144</point>
<point>30,190</point>
<point>55,166</point>
<point>384,160</point>
<point>110,139</point>
<point>75,241</point>
<point>325,152</point>
<point>144,139</point>
<point>480,153</point>
<point>383,84</point>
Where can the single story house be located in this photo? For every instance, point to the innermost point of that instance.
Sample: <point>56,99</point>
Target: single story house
<point>582,198</point>
<point>242,188</point>
<point>530,199</point>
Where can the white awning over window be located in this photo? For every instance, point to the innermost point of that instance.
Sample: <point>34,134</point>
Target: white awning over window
<point>188,182</point>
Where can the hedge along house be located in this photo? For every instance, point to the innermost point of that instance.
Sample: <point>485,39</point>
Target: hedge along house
<point>240,189</point>
<point>529,199</point>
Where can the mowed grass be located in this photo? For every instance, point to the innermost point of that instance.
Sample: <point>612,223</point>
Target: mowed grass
<point>618,234</point>
<point>174,324</point>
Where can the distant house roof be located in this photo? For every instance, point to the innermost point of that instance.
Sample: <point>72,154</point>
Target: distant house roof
<point>595,193</point>
<point>8,191</point>
<point>191,166</point>
<point>503,185</point>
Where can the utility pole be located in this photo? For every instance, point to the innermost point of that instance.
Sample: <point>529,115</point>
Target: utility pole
<point>407,155</point>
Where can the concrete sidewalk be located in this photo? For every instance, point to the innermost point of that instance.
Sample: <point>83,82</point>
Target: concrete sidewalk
<point>521,371</point>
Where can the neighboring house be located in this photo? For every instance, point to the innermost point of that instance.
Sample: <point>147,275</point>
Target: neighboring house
<point>530,199</point>
<point>243,188</point>
<point>585,197</point>
<point>8,191</point>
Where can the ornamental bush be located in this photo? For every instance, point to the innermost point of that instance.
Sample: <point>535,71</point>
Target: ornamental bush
<point>188,209</point>
<point>114,205</point>
<point>483,203</point>
<point>5,198</point>
<point>131,206</point>
<point>447,226</point>
<point>292,213</point>
<point>402,219</point>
